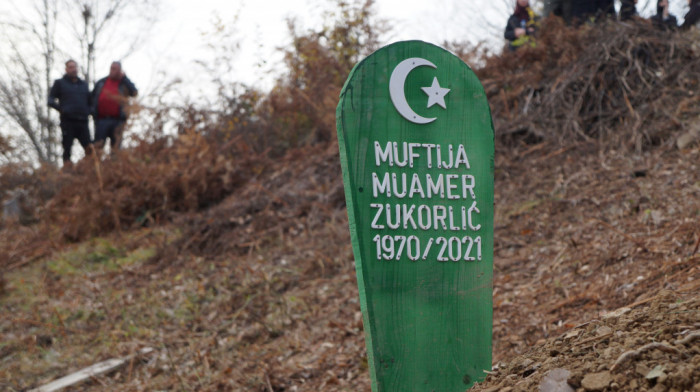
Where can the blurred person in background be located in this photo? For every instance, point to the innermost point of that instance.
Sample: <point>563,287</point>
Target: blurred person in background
<point>109,96</point>
<point>663,19</point>
<point>692,18</point>
<point>561,8</point>
<point>628,9</point>
<point>591,10</point>
<point>70,95</point>
<point>522,26</point>
<point>605,8</point>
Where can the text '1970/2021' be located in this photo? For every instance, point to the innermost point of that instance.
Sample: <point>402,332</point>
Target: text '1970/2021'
<point>405,216</point>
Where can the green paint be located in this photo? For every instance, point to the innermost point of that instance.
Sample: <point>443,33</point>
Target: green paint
<point>427,321</point>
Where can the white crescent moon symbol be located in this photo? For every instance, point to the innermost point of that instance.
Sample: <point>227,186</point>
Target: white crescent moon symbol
<point>398,94</point>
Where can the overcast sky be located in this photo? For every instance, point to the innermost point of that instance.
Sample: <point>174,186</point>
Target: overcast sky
<point>260,24</point>
<point>176,41</point>
<point>171,47</point>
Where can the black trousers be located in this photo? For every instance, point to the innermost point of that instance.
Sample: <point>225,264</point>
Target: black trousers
<point>74,129</point>
<point>627,9</point>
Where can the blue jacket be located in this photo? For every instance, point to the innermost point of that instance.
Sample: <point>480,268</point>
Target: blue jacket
<point>126,89</point>
<point>71,98</point>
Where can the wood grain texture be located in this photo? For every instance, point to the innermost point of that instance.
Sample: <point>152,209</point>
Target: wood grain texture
<point>427,321</point>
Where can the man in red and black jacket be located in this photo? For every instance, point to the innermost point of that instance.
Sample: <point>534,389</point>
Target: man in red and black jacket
<point>109,96</point>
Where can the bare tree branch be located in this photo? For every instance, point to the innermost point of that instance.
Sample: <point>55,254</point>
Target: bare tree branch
<point>34,36</point>
<point>22,87</point>
<point>97,18</point>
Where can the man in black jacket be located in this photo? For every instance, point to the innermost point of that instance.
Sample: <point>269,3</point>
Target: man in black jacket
<point>71,97</point>
<point>663,18</point>
<point>561,8</point>
<point>628,9</point>
<point>692,18</point>
<point>109,96</point>
<point>591,10</point>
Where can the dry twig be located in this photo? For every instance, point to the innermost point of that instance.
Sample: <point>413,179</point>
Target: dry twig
<point>688,339</point>
<point>629,355</point>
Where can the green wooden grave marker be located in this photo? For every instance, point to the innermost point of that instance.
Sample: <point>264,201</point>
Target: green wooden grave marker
<point>417,147</point>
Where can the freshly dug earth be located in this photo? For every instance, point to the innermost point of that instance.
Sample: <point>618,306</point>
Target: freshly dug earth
<point>651,347</point>
<point>580,232</point>
<point>259,292</point>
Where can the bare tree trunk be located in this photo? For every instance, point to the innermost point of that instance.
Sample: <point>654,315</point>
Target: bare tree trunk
<point>87,15</point>
<point>96,16</point>
<point>24,83</point>
<point>48,126</point>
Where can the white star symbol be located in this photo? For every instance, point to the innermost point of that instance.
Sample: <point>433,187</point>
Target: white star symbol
<point>436,94</point>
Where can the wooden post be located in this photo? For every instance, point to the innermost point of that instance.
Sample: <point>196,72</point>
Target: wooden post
<point>417,150</point>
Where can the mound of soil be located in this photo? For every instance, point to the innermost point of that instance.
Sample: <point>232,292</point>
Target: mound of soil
<point>650,347</point>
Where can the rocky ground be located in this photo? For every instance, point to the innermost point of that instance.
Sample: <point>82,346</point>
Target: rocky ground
<point>649,347</point>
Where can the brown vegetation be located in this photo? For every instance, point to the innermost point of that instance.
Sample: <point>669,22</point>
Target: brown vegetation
<point>228,252</point>
<point>630,85</point>
<point>144,184</point>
